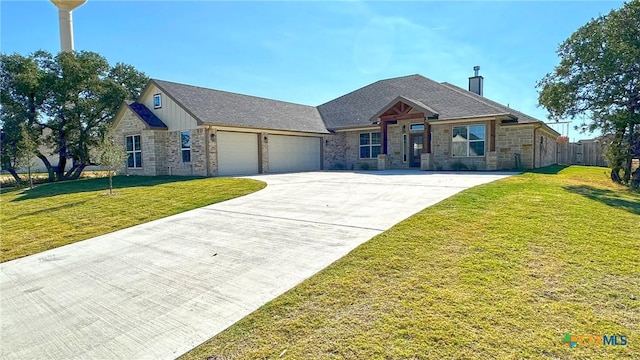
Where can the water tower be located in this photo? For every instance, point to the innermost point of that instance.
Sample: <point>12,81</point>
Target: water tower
<point>66,24</point>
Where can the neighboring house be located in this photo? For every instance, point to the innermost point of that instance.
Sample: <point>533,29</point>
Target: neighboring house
<point>397,123</point>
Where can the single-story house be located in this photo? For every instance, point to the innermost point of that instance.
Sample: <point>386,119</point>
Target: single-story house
<point>404,122</point>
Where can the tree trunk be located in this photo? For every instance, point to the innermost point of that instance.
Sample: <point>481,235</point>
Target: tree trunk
<point>62,164</point>
<point>628,156</point>
<point>615,175</point>
<point>62,152</point>
<point>77,171</point>
<point>30,178</point>
<point>13,173</point>
<point>49,167</point>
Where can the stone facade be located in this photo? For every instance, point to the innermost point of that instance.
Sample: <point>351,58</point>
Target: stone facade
<point>513,141</point>
<point>443,158</point>
<point>175,166</point>
<point>509,140</point>
<point>152,144</point>
<point>213,152</point>
<point>198,164</point>
<point>199,152</point>
<point>532,145</point>
<point>395,144</point>
<point>352,152</point>
<point>335,151</point>
<point>546,149</point>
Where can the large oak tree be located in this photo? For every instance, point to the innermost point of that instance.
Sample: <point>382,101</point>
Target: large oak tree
<point>69,99</point>
<point>599,77</point>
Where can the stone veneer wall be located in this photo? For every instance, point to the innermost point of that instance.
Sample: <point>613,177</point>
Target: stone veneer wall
<point>334,151</point>
<point>152,145</point>
<point>441,145</point>
<point>547,153</point>
<point>514,139</point>
<point>352,152</point>
<point>160,142</point>
<point>198,164</point>
<point>213,152</point>
<point>395,142</point>
<point>510,140</point>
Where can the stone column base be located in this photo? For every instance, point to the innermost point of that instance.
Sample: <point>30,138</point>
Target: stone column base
<point>382,162</point>
<point>492,160</point>
<point>425,161</point>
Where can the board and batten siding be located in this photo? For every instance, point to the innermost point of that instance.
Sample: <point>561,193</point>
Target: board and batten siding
<point>170,113</point>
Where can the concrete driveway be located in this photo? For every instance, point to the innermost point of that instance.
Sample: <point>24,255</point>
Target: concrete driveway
<point>157,290</point>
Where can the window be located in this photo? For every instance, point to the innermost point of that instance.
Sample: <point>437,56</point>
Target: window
<point>185,147</point>
<point>404,148</point>
<point>157,101</point>
<point>417,127</point>
<point>134,151</point>
<point>369,145</point>
<point>468,140</point>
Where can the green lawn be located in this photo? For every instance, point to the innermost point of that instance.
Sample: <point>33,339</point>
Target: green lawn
<point>500,271</point>
<point>52,215</point>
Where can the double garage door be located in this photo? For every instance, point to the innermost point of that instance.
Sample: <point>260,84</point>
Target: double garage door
<point>238,153</point>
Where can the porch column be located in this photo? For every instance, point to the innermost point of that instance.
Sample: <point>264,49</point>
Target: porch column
<point>492,136</point>
<point>492,155</point>
<point>383,132</point>
<point>426,138</point>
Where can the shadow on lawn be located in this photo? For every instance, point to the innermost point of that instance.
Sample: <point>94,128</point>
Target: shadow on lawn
<point>47,210</point>
<point>88,185</point>
<point>605,196</point>
<point>550,170</point>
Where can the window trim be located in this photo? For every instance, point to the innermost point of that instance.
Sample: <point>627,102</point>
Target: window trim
<point>370,145</point>
<point>183,149</point>
<point>159,97</point>
<point>133,150</point>
<point>468,141</point>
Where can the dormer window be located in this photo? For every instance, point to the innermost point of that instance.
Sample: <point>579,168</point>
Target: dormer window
<point>157,101</point>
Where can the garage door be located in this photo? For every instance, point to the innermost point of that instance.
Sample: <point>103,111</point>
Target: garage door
<point>293,153</point>
<point>237,153</point>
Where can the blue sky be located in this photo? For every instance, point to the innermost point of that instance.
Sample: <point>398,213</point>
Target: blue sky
<point>310,52</point>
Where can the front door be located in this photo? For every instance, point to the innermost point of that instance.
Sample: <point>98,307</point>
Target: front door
<point>415,149</point>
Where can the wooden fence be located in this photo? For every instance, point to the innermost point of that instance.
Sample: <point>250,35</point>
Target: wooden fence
<point>581,153</point>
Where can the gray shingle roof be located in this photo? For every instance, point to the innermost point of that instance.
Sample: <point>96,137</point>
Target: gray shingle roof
<point>351,110</point>
<point>146,115</point>
<point>231,109</point>
<point>522,117</point>
<point>449,101</point>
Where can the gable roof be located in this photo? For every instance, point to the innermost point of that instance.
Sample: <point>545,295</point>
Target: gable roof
<point>357,108</point>
<point>146,115</point>
<point>416,105</point>
<point>226,108</point>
